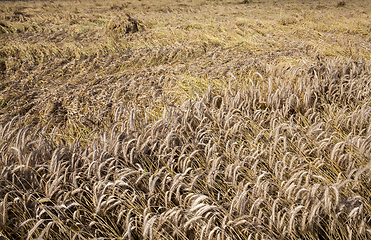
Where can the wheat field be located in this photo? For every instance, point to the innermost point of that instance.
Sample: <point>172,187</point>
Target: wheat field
<point>193,119</point>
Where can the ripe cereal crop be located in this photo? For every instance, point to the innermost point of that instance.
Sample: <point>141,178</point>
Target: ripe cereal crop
<point>203,119</point>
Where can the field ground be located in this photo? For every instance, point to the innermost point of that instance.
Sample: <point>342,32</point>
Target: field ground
<point>186,119</point>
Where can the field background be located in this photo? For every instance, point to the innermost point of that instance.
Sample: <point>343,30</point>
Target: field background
<point>185,119</point>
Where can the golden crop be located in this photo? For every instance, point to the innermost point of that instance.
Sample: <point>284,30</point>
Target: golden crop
<point>195,119</point>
